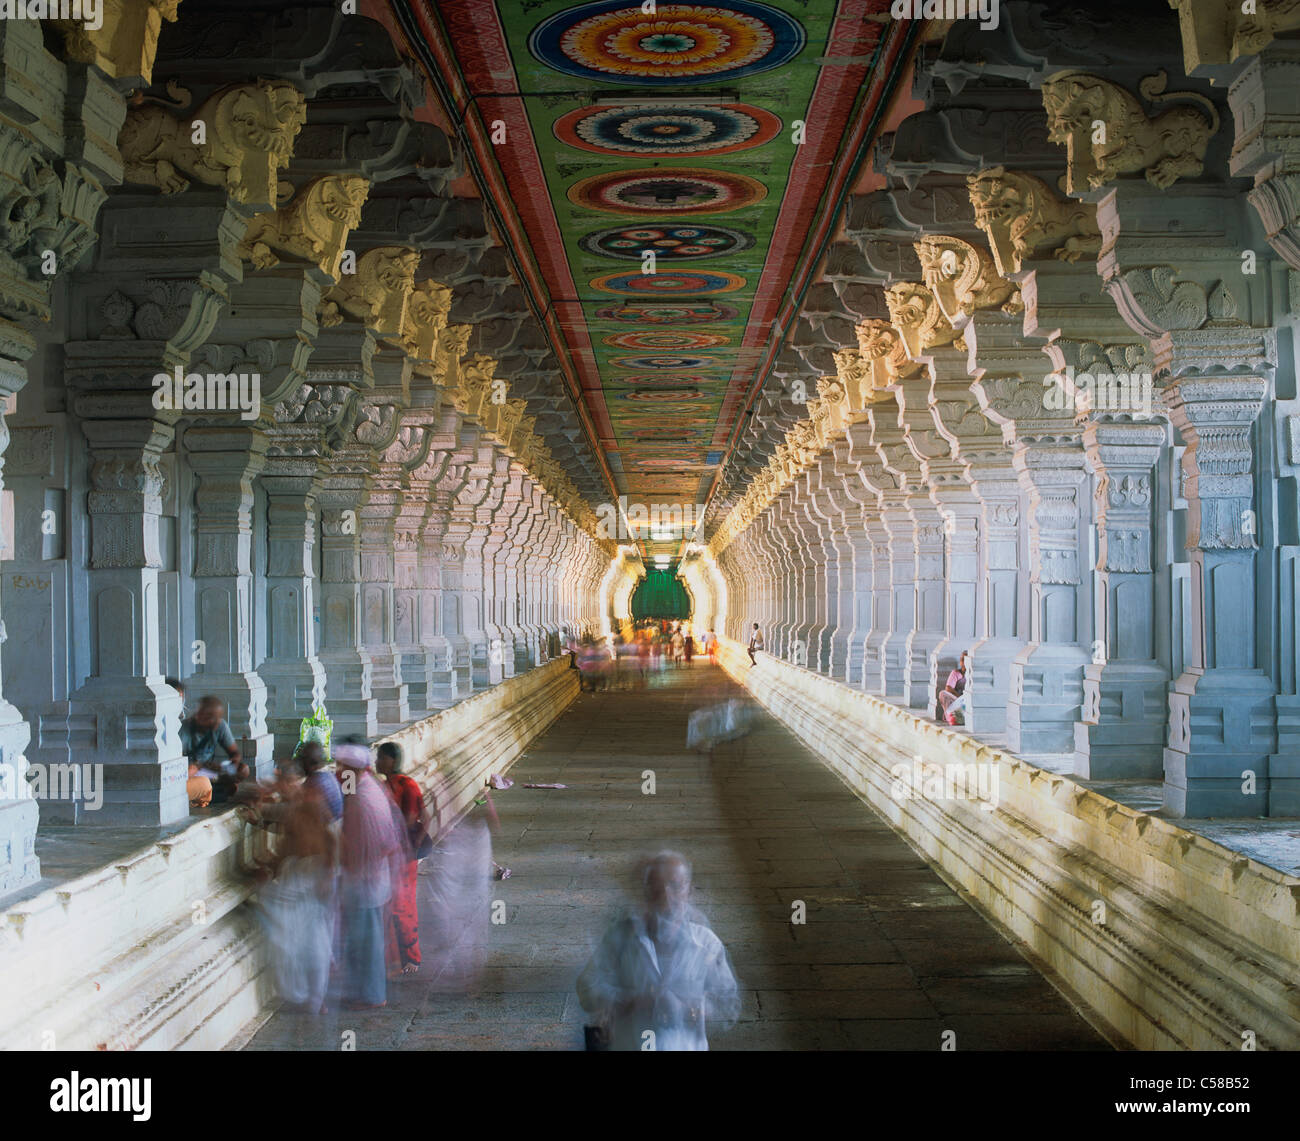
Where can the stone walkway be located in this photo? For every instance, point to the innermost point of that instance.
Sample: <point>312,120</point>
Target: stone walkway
<point>889,958</point>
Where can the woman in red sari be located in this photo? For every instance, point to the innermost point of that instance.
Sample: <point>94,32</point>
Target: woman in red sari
<point>404,929</point>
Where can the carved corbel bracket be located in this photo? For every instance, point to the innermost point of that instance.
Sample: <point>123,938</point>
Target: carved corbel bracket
<point>963,278</point>
<point>248,132</point>
<point>314,227</point>
<point>426,319</point>
<point>1022,217</point>
<point>918,319</point>
<point>1107,133</point>
<point>1222,31</point>
<point>377,295</point>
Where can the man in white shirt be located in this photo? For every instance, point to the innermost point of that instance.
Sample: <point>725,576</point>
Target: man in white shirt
<point>660,975</point>
<point>755,643</point>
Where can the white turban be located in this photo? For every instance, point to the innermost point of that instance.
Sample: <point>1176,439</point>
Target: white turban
<point>353,756</point>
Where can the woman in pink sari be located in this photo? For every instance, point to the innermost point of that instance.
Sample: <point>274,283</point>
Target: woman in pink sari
<point>952,698</point>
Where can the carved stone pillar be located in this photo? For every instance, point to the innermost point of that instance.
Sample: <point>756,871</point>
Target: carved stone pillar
<point>1023,218</point>
<point>414,596</point>
<point>965,284</point>
<point>379,576</point>
<point>1265,101</point>
<point>18,810</point>
<point>59,119</point>
<point>226,460</point>
<point>872,479</point>
<point>1046,682</point>
<point>1122,730</point>
<point>1214,354</point>
<point>858,503</point>
<point>125,715</point>
<point>349,692</point>
<point>829,506</point>
<point>496,518</point>
<point>292,671</point>
<point>1220,42</point>
<point>472,527</point>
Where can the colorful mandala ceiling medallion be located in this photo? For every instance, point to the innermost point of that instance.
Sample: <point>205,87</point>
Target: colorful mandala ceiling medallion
<point>667,130</point>
<point>676,44</point>
<point>694,284</point>
<point>684,191</point>
<point>657,340</point>
<point>669,361</point>
<point>700,313</point>
<point>669,243</point>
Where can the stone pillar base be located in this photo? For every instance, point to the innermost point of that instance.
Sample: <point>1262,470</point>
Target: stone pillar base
<point>348,696</point>
<point>989,684</point>
<point>1046,698</point>
<point>293,689</point>
<point>480,668</point>
<point>20,867</point>
<point>1284,767</point>
<point>1126,736</point>
<point>873,652</point>
<point>461,664</point>
<point>416,663</point>
<point>1220,728</point>
<point>918,687</point>
<point>132,727</point>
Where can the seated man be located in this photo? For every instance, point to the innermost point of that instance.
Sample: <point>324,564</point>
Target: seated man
<point>211,750</point>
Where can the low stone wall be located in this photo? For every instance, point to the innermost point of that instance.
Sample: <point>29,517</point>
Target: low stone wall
<point>1172,940</point>
<point>451,756</point>
<point>161,950</point>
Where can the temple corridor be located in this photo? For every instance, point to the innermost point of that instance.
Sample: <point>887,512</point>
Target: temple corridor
<point>387,385</point>
<point>889,959</point>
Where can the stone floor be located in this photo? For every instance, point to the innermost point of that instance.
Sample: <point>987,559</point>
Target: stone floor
<point>889,958</point>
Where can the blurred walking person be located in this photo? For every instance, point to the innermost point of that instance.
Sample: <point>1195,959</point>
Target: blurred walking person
<point>371,861</point>
<point>660,976</point>
<point>298,903</point>
<point>403,938</point>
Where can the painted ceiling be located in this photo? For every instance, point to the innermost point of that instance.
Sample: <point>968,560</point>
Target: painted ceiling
<point>717,138</point>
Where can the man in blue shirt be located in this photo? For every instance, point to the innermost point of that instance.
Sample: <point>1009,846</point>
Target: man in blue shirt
<point>210,748</point>
<point>312,758</point>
